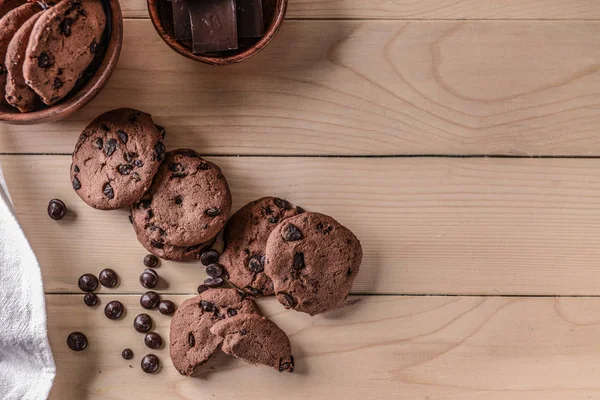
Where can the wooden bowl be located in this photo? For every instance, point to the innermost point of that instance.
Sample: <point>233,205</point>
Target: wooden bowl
<point>90,88</point>
<point>161,14</point>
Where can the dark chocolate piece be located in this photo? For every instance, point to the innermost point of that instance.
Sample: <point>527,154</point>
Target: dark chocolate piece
<point>214,25</point>
<point>182,26</point>
<point>250,22</point>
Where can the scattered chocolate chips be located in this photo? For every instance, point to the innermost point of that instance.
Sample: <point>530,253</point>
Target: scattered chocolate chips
<point>291,233</point>
<point>88,282</point>
<point>44,60</point>
<point>77,341</point>
<point>142,323</point>
<point>149,300</point>
<point>108,278</point>
<point>57,209</point>
<point>291,302</point>
<point>202,288</point>
<point>127,354</point>
<point>166,307</point>
<point>114,310</point>
<point>282,203</point>
<point>149,279</point>
<point>124,169</point>
<point>256,264</point>
<point>90,299</point>
<point>110,146</point>
<point>76,184</point>
<point>298,261</point>
<point>207,306</point>
<point>191,339</point>
<point>151,261</point>
<point>150,364</point>
<point>123,137</point>
<point>209,257</point>
<point>213,282</point>
<point>153,340</point>
<point>213,212</point>
<point>108,191</point>
<point>214,270</point>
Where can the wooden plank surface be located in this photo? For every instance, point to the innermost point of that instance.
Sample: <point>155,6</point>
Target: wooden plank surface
<point>363,87</point>
<point>428,225</point>
<point>381,348</point>
<point>423,9</point>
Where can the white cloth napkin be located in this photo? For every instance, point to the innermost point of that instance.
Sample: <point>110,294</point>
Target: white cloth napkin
<point>26,365</point>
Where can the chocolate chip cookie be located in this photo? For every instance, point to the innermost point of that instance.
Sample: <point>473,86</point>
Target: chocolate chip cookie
<point>116,158</point>
<point>9,24</point>
<point>18,94</point>
<point>188,203</point>
<point>313,261</point>
<point>245,237</point>
<point>62,45</point>
<point>256,340</point>
<point>192,342</point>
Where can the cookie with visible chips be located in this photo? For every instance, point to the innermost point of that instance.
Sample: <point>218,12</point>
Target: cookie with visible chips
<point>116,158</point>
<point>313,261</point>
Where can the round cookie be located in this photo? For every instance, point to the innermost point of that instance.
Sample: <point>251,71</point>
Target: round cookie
<point>62,45</point>
<point>18,94</point>
<point>188,203</point>
<point>9,24</point>
<point>256,340</point>
<point>245,238</point>
<point>192,342</point>
<point>313,261</point>
<point>115,159</point>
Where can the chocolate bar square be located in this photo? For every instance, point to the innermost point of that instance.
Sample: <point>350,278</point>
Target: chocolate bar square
<point>250,18</point>
<point>214,25</point>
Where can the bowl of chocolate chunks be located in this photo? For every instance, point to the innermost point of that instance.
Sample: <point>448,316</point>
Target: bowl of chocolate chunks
<point>217,32</point>
<point>55,56</point>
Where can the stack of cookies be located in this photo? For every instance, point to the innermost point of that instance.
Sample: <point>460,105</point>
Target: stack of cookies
<point>179,204</point>
<point>45,49</point>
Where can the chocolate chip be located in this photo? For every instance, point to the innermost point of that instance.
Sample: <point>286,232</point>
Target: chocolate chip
<point>291,233</point>
<point>202,288</point>
<point>291,302</point>
<point>149,279</point>
<point>110,147</point>
<point>232,312</point>
<point>213,282</point>
<point>99,143</point>
<point>108,191</point>
<point>142,323</point>
<point>207,306</point>
<point>127,354</point>
<point>300,210</point>
<point>58,83</point>
<point>159,151</point>
<point>166,307</point>
<point>287,366</point>
<point>162,130</point>
<point>253,291</point>
<point>76,169</point>
<point>93,46</point>
<point>151,261</point>
<point>124,169</point>
<point>213,212</point>
<point>209,257</point>
<point>243,332</point>
<point>150,364</point>
<point>82,12</point>
<point>153,340</point>
<point>299,261</point>
<point>108,278</point>
<point>65,26</point>
<point>44,60</point>
<point>123,137</point>
<point>76,184</point>
<point>77,341</point>
<point>349,272</point>
<point>175,167</point>
<point>191,340</point>
<point>130,156</point>
<point>203,167</point>
<point>88,282</point>
<point>114,310</point>
<point>138,163</point>
<point>136,177</point>
<point>156,245</point>
<point>90,299</point>
<point>145,203</point>
<point>149,300</point>
<point>256,264</point>
<point>282,203</point>
<point>134,116</point>
<point>149,214</point>
<point>57,209</point>
<point>214,270</point>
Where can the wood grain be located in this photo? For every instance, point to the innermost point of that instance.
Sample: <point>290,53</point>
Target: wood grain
<point>382,347</point>
<point>427,225</point>
<point>363,87</point>
<point>424,9</point>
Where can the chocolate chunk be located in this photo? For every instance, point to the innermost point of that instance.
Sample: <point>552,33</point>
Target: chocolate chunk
<point>93,46</point>
<point>77,341</point>
<point>282,203</point>
<point>99,143</point>
<point>214,270</point>
<point>76,184</point>
<point>142,323</point>
<point>191,340</point>
<point>291,302</point>
<point>124,169</point>
<point>88,282</point>
<point>213,212</point>
<point>299,261</point>
<point>90,299</point>
<point>161,129</point>
<point>256,264</point>
<point>202,288</point>
<point>166,307</point>
<point>108,191</point>
<point>138,163</point>
<point>44,60</point>
<point>209,257</point>
<point>250,18</point>
<point>114,310</point>
<point>153,340</point>
<point>159,151</point>
<point>57,209</point>
<point>76,169</point>
<point>213,282</point>
<point>58,83</point>
<point>292,233</point>
<point>207,306</point>
<point>127,354</point>
<point>214,25</point>
<point>232,312</point>
<point>150,364</point>
<point>123,137</point>
<point>151,261</point>
<point>110,147</point>
<point>182,25</point>
<point>149,300</point>
<point>108,278</point>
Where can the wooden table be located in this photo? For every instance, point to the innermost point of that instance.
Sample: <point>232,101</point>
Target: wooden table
<point>459,139</point>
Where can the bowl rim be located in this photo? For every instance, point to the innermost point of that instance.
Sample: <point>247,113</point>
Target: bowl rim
<point>276,23</point>
<point>92,87</point>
